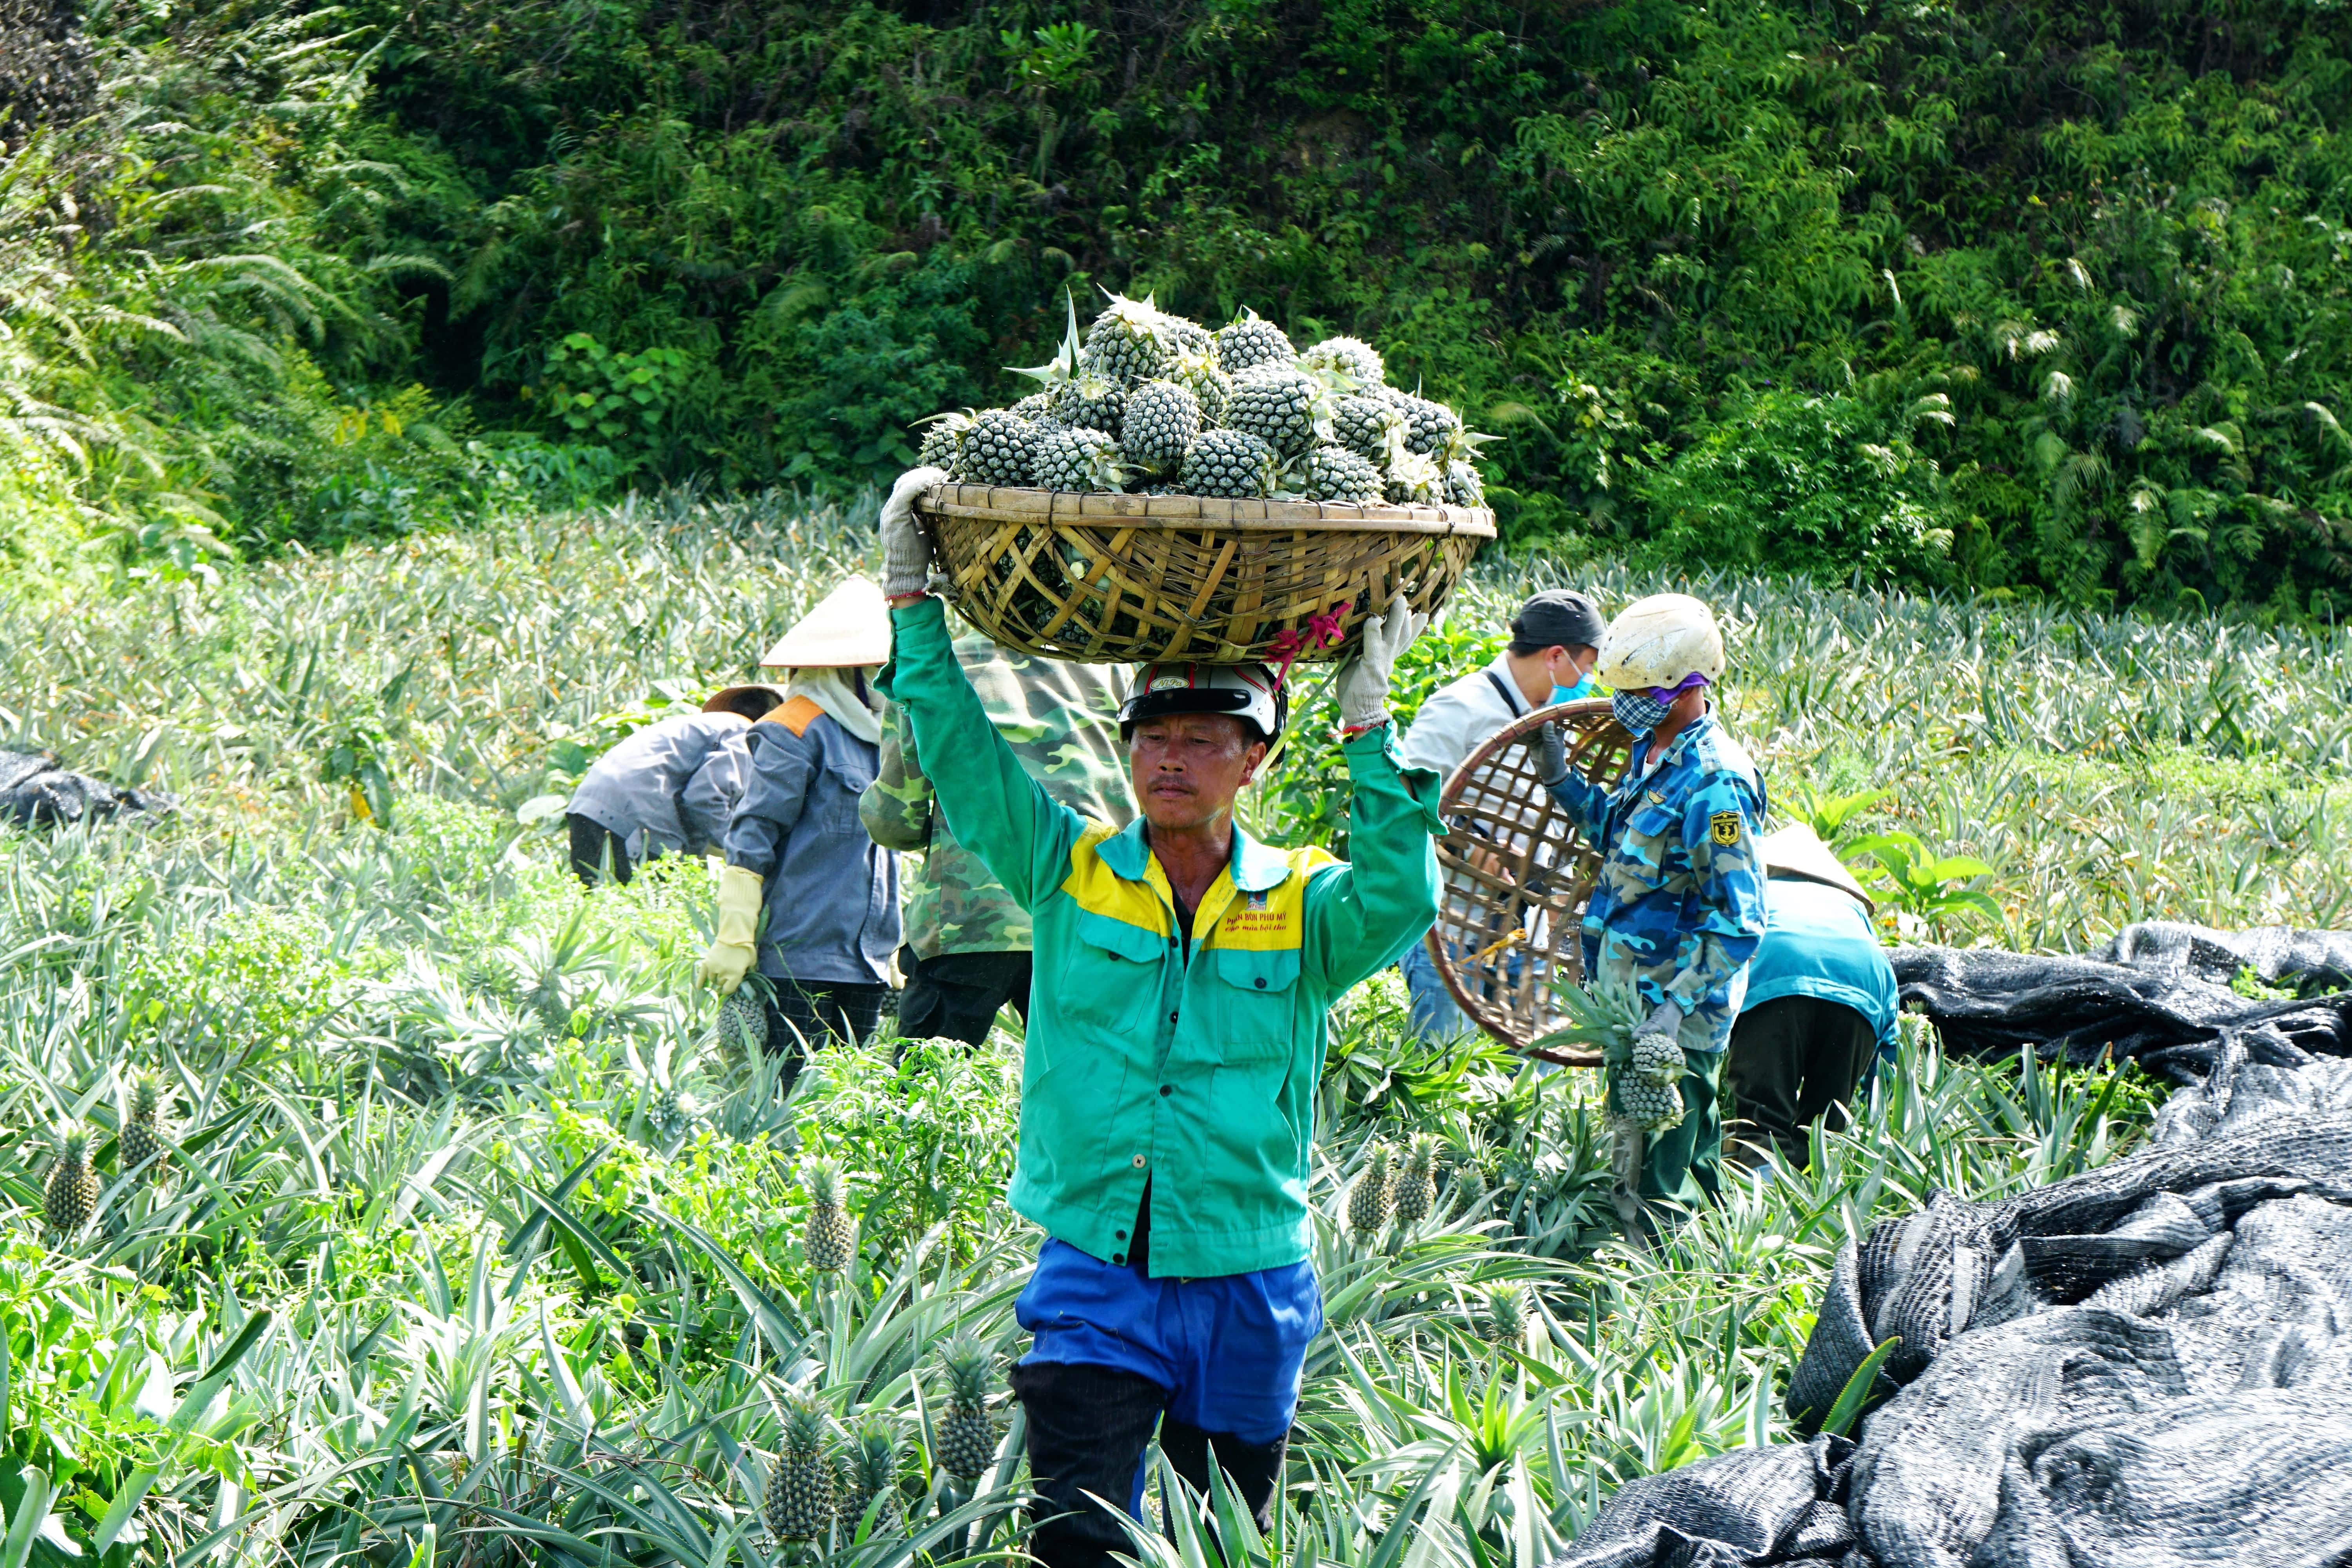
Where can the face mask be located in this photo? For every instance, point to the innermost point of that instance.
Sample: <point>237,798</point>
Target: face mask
<point>1576,693</point>
<point>1640,711</point>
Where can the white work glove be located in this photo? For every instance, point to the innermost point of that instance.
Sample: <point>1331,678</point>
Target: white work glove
<point>740,893</point>
<point>1666,1018</point>
<point>1364,680</point>
<point>905,554</point>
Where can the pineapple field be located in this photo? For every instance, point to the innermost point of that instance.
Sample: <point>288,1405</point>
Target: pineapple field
<point>377,1194</point>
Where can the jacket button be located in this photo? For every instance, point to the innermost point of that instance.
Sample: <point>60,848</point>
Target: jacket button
<point>1167,1089</point>
<point>1261,982</point>
<point>1172,1018</point>
<point>1140,1162</point>
<point>1120,1233</point>
<point>1119,1259</point>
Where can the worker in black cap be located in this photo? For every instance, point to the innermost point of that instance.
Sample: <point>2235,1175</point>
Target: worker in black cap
<point>1555,638</point>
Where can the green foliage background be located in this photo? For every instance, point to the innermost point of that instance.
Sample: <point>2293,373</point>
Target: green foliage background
<point>2049,295</point>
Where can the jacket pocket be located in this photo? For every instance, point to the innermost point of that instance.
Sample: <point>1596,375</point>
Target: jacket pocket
<point>1259,1003</point>
<point>1642,858</point>
<point>1112,974</point>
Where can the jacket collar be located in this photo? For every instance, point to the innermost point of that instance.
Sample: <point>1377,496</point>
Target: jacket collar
<point>1681,747</point>
<point>1255,868</point>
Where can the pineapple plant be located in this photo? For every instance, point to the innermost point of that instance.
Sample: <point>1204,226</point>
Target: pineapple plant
<point>1368,1199</point>
<point>1079,459</point>
<point>740,1034</point>
<point>1505,1320</point>
<point>72,1195</point>
<point>872,1474</point>
<point>141,1129</point>
<point>798,1504</point>
<point>1334,473</point>
<point>1351,357</point>
<point>966,1437</point>
<point>1282,406</point>
<point>1128,341</point>
<point>1001,448</point>
<point>1250,342</point>
<point>831,1236</point>
<point>1162,418</point>
<point>1228,463</point>
<point>1415,1188</point>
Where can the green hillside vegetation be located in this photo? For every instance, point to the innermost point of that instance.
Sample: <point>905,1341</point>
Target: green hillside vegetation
<point>2042,296</point>
<point>432,1266</point>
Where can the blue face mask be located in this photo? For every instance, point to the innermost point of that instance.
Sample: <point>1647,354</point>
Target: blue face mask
<point>1576,693</point>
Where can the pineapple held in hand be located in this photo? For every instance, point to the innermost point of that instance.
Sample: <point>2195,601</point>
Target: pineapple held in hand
<point>798,1504</point>
<point>831,1239</point>
<point>1644,1073</point>
<point>73,1193</point>
<point>966,1437</point>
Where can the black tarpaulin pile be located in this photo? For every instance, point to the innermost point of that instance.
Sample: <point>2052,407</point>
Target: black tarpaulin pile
<point>2159,993</point>
<point>35,791</point>
<point>2147,1364</point>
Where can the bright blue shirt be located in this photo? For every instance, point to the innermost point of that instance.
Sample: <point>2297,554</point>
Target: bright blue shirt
<point>1818,943</point>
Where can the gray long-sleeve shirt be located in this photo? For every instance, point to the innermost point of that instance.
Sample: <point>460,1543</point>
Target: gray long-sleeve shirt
<point>674,782</point>
<point>1460,716</point>
<point>832,892</point>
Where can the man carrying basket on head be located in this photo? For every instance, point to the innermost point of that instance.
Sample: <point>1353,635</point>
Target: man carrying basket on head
<point>1176,1036</point>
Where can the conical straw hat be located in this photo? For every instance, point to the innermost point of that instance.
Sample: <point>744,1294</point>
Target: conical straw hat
<point>1797,850</point>
<point>852,627</point>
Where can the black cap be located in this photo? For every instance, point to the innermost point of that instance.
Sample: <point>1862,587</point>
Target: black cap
<point>1559,618</point>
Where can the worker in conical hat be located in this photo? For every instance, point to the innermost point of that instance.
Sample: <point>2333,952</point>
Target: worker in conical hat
<point>794,850</point>
<point>1820,1010</point>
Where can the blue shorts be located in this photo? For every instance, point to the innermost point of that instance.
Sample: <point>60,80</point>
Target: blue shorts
<point>1227,1348</point>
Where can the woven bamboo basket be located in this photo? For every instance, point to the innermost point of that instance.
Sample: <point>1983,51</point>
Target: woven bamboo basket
<point>1516,873</point>
<point>1108,578</point>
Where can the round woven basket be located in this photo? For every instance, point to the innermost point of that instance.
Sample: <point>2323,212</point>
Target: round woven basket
<point>1123,579</point>
<point>1516,873</point>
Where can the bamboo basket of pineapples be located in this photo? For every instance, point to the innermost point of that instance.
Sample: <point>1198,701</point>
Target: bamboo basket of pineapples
<point>1172,492</point>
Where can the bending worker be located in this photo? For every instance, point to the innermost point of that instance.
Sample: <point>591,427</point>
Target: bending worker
<point>968,942</point>
<point>1677,908</point>
<point>668,788</point>
<point>1822,1004</point>
<point>1176,1035</point>
<point>795,853</point>
<point>1555,637</point>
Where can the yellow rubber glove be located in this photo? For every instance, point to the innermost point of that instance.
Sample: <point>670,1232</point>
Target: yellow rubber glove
<point>740,893</point>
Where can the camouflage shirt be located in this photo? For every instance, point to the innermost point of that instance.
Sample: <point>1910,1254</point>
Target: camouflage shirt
<point>1678,908</point>
<point>1062,720</point>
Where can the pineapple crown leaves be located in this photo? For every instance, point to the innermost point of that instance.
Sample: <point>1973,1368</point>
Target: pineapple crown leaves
<point>1598,1017</point>
<point>73,1144</point>
<point>822,1179</point>
<point>1063,365</point>
<point>146,1097</point>
<point>807,1426</point>
<point>970,1369</point>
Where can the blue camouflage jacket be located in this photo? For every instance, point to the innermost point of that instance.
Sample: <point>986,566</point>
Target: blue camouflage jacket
<point>1678,908</point>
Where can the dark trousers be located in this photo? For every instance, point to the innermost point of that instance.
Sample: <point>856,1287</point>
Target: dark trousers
<point>1794,1060</point>
<point>803,1015</point>
<point>1089,1427</point>
<point>591,842</point>
<point>957,995</point>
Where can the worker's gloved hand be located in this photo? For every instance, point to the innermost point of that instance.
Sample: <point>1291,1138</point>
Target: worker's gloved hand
<point>1551,756</point>
<point>1666,1018</point>
<point>740,892</point>
<point>1364,680</point>
<point>905,554</point>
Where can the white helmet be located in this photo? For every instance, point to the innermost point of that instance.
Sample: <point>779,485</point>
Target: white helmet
<point>1250,692</point>
<point>1658,643</point>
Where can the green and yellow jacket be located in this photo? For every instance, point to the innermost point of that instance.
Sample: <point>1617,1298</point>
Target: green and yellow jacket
<point>1189,1065</point>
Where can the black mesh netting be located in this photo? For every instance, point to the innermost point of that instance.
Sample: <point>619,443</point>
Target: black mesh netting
<point>33,790</point>
<point>2144,1365</point>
